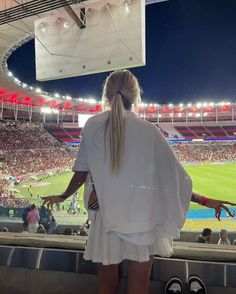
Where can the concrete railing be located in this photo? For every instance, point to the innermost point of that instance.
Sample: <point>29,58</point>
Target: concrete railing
<point>37,263</point>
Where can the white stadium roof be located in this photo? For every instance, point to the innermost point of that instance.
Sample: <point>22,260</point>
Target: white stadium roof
<point>15,33</point>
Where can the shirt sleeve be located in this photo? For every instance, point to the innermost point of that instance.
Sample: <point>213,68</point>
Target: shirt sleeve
<point>81,162</point>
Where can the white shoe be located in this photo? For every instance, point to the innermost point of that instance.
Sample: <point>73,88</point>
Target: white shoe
<point>196,285</point>
<point>174,286</point>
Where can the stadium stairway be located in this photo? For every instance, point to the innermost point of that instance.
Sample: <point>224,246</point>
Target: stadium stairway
<point>54,264</point>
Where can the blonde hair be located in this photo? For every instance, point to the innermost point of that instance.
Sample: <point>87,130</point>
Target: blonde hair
<point>122,92</point>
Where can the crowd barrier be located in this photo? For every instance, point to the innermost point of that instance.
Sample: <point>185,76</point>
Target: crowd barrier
<point>11,212</point>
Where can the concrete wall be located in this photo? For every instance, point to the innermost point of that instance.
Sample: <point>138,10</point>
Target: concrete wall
<point>184,236</point>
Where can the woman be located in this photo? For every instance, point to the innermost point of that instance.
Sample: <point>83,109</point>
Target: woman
<point>143,191</point>
<point>33,219</point>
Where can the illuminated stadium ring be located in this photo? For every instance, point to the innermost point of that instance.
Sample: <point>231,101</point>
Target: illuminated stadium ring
<point>16,92</point>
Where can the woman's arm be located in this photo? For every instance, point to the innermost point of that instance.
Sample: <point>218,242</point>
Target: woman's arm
<point>76,182</point>
<point>218,205</point>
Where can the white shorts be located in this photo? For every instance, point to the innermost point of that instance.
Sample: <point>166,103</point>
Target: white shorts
<point>32,228</point>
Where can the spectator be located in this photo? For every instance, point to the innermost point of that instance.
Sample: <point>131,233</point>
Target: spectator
<point>83,232</point>
<point>4,229</point>
<point>223,238</point>
<point>24,218</point>
<point>68,231</point>
<point>33,219</point>
<point>41,230</point>
<point>44,220</point>
<point>205,236</point>
<point>53,225</point>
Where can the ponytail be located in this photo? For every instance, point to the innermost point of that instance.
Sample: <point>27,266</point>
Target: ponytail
<point>116,126</point>
<point>121,90</point>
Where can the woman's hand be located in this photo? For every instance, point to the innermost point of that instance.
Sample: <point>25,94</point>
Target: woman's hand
<point>50,200</point>
<point>218,205</point>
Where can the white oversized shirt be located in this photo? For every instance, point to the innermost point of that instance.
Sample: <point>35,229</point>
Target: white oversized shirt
<point>151,193</point>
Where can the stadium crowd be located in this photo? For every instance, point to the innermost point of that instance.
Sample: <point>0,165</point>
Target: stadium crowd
<point>27,150</point>
<point>201,152</point>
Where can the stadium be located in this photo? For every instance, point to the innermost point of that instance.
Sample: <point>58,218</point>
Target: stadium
<point>40,135</point>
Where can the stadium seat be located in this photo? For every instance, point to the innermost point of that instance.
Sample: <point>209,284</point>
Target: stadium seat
<point>4,254</point>
<point>24,257</point>
<point>58,260</point>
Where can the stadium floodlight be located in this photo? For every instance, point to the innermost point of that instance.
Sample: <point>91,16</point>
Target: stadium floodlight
<point>16,80</point>
<point>205,114</point>
<point>68,97</point>
<point>31,88</point>
<point>190,114</point>
<point>159,115</point>
<point>66,25</point>
<point>155,105</point>
<point>228,103</point>
<point>38,90</point>
<point>170,105</point>
<point>198,114</point>
<point>179,114</point>
<point>181,105</point>
<point>205,104</point>
<point>171,114</point>
<point>150,104</point>
<point>199,105</point>
<point>10,74</point>
<point>57,95</point>
<point>212,104</point>
<point>92,101</point>
<point>24,85</point>
<point>127,8</point>
<point>189,104</point>
<point>145,105</point>
<point>46,110</point>
<point>81,99</point>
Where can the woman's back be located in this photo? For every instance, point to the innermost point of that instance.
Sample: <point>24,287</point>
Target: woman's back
<point>130,199</point>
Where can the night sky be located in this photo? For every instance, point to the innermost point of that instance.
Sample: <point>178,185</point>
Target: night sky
<point>191,56</point>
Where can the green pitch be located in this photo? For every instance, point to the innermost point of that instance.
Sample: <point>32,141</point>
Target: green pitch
<point>52,185</point>
<point>216,181</point>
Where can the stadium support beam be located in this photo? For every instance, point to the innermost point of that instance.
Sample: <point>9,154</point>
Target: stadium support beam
<point>154,1</point>
<point>79,21</point>
<point>32,7</point>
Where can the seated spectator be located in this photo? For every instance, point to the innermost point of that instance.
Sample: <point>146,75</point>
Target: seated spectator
<point>68,231</point>
<point>41,230</point>
<point>223,238</point>
<point>43,213</point>
<point>205,236</point>
<point>4,229</point>
<point>53,225</point>
<point>83,232</point>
